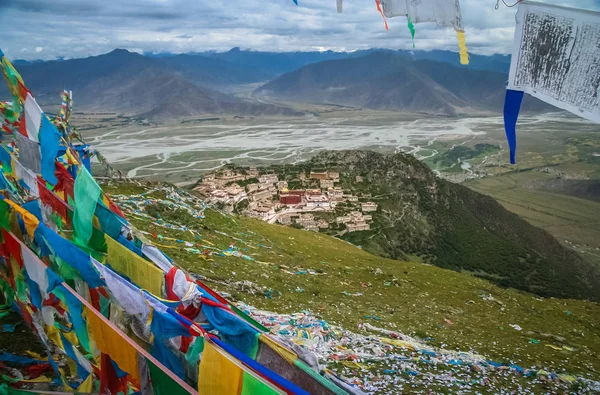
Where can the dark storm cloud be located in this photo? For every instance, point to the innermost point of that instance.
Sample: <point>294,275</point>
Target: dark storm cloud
<point>75,28</point>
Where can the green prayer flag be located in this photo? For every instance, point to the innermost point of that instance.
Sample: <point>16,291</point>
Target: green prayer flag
<point>6,390</point>
<point>193,354</point>
<point>104,306</point>
<point>4,215</point>
<point>87,192</point>
<point>65,270</point>
<point>21,288</point>
<point>9,293</point>
<point>163,384</point>
<point>411,27</point>
<point>253,386</point>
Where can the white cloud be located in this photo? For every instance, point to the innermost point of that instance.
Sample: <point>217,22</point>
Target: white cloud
<point>39,49</point>
<point>71,28</point>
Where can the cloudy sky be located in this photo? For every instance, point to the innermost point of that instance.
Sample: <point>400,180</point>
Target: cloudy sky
<point>46,29</point>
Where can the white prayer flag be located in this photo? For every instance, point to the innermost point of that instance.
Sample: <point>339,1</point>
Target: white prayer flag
<point>442,12</point>
<point>556,57</point>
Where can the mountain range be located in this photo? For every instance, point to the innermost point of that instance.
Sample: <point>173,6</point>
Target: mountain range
<point>130,83</point>
<point>389,81</point>
<point>176,86</point>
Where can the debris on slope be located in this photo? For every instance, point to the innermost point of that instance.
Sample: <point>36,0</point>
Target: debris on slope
<point>385,361</point>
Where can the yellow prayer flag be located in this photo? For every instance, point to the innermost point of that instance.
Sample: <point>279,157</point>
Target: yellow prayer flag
<point>286,354</point>
<point>54,336</point>
<point>139,270</point>
<point>462,47</point>
<point>218,374</point>
<point>112,343</point>
<point>87,386</point>
<point>31,222</point>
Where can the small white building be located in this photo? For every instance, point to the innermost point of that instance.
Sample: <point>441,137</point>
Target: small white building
<point>368,206</point>
<point>234,189</point>
<point>253,172</point>
<point>326,184</point>
<point>312,225</point>
<point>356,214</point>
<point>285,219</point>
<point>268,179</point>
<point>305,218</point>
<point>317,198</point>
<point>336,193</point>
<point>252,187</point>
<point>219,194</point>
<point>264,212</point>
<point>343,220</point>
<point>314,205</point>
<point>357,227</point>
<point>261,195</point>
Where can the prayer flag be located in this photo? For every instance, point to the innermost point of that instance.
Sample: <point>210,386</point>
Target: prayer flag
<point>556,57</point>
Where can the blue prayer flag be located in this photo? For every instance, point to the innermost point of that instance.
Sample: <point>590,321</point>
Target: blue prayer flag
<point>512,106</point>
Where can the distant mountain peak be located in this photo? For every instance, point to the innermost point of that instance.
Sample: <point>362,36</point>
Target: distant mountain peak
<point>118,51</point>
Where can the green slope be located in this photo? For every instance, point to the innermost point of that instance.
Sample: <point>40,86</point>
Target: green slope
<point>454,227</point>
<point>573,221</point>
<point>410,297</point>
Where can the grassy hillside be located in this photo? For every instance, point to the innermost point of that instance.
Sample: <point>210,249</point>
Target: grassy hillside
<point>450,309</point>
<point>454,227</point>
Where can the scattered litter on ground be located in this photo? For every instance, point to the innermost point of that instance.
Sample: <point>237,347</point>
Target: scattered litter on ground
<point>352,294</point>
<point>515,327</point>
<point>389,362</point>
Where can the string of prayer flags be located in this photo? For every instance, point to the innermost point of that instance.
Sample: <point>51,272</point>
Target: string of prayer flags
<point>104,337</point>
<point>84,236</point>
<point>556,59</point>
<point>442,12</point>
<point>218,374</point>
